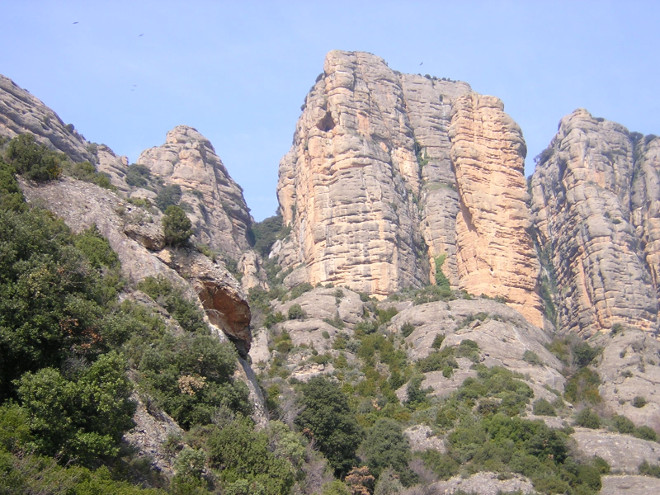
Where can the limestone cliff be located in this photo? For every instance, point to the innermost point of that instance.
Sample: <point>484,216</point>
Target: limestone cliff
<point>389,172</point>
<point>220,217</point>
<point>595,204</point>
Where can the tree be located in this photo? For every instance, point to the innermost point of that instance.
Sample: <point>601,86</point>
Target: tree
<point>82,419</point>
<point>176,226</point>
<point>386,446</point>
<point>329,421</point>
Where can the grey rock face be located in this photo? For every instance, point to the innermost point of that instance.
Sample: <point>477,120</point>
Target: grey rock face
<point>622,452</point>
<point>220,217</point>
<point>21,113</point>
<point>595,202</point>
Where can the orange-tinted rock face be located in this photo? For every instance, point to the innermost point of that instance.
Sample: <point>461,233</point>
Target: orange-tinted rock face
<point>595,204</point>
<point>495,254</point>
<point>373,191</point>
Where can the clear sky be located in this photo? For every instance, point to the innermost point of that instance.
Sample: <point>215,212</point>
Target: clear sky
<point>126,72</point>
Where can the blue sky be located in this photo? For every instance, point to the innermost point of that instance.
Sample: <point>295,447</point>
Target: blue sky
<point>128,71</point>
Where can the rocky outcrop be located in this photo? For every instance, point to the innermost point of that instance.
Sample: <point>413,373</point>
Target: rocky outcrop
<point>390,173</point>
<point>81,205</point>
<point>221,296</point>
<point>595,205</point>
<point>21,113</point>
<point>220,217</point>
<point>629,369</point>
<point>495,253</point>
<point>623,453</point>
<point>504,337</point>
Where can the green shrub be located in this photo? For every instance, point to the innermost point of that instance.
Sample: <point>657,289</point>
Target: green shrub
<point>622,424</point>
<point>437,341</point>
<point>384,446</point>
<point>191,376</point>
<point>176,226</point>
<point>583,387</point>
<point>244,460</point>
<point>137,175</point>
<point>33,160</point>
<point>168,196</point>
<point>438,360</point>
<point>54,405</point>
<point>647,469</point>
<point>587,419</point>
<point>440,279</point>
<point>543,408</point>
<point>185,312</point>
<point>328,419</point>
<point>407,328</point>
<point>296,312</point>
<point>639,401</point>
<point>300,289</point>
<point>264,234</point>
<point>645,433</point>
<point>532,358</point>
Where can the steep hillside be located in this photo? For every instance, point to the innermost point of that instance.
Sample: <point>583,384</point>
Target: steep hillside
<point>385,185</point>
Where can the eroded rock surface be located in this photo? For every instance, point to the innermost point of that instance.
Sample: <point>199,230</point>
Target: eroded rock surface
<point>21,113</point>
<point>81,205</point>
<point>595,203</point>
<point>220,217</point>
<point>390,172</point>
<point>623,453</point>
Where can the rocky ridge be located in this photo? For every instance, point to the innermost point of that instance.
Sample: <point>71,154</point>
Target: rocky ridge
<point>220,217</point>
<point>595,206</point>
<point>382,182</point>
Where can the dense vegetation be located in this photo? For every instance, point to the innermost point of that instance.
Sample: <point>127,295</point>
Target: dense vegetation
<point>80,355</point>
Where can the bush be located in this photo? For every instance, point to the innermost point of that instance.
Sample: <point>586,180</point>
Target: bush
<point>137,175</point>
<point>327,419</point>
<point>645,433</point>
<point>543,408</point>
<point>583,387</point>
<point>296,312</point>
<point>407,328</point>
<point>587,419</point>
<point>622,424</point>
<point>300,289</point>
<point>168,196</point>
<point>532,358</point>
<point>266,232</point>
<point>54,405</point>
<point>176,226</point>
<point>245,461</point>
<point>386,446</point>
<point>33,160</point>
<point>191,376</point>
<point>185,312</point>
<point>639,401</point>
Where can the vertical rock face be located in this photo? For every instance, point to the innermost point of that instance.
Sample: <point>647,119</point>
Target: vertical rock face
<point>595,205</point>
<point>495,254</point>
<point>384,172</point>
<point>220,217</point>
